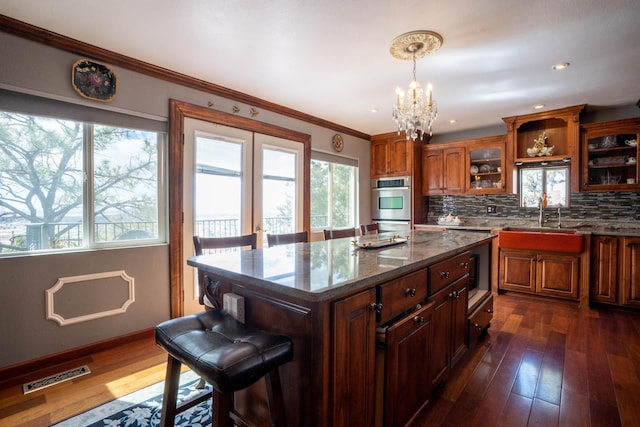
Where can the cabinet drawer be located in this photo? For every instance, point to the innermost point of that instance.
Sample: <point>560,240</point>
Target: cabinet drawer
<point>445,272</point>
<point>480,319</point>
<point>402,294</point>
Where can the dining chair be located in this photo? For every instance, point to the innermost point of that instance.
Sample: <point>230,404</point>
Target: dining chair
<point>284,239</point>
<point>369,229</point>
<point>336,234</point>
<point>209,289</point>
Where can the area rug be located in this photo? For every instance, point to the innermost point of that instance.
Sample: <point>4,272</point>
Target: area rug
<point>142,408</point>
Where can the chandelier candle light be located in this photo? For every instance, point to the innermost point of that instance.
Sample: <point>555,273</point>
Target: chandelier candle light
<point>415,113</point>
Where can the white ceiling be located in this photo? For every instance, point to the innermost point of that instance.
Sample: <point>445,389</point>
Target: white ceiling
<point>331,58</point>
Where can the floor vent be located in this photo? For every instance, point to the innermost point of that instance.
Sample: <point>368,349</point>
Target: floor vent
<point>55,379</point>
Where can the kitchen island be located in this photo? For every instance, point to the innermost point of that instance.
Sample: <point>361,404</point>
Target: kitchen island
<point>330,297</point>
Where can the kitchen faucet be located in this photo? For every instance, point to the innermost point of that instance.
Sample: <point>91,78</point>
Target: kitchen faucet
<point>541,213</point>
<point>559,215</point>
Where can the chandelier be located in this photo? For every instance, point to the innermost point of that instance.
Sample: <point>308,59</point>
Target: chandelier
<point>415,113</point>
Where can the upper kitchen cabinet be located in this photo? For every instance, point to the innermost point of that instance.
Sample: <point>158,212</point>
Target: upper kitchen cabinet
<point>486,165</point>
<point>444,169</point>
<point>530,138</point>
<point>390,155</point>
<point>610,155</point>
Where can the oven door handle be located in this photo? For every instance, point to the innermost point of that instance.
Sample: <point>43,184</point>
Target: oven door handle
<point>389,188</point>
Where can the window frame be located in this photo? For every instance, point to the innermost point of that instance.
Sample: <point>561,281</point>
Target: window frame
<point>88,235</point>
<point>354,178</point>
<point>545,169</point>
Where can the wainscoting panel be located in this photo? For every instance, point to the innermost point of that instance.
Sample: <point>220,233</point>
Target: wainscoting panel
<point>90,296</point>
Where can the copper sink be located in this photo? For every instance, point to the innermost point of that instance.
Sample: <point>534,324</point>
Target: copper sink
<point>542,239</point>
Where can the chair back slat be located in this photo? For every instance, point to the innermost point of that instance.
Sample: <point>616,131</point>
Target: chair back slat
<point>284,239</point>
<point>336,234</point>
<point>202,243</point>
<point>368,229</point>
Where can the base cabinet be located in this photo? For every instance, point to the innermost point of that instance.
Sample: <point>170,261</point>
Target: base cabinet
<point>403,383</point>
<point>540,273</point>
<point>353,370</point>
<point>615,270</point>
<point>450,333</point>
<point>604,269</point>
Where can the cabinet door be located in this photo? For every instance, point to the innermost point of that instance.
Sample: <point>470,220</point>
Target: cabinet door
<point>353,374</point>
<point>454,170</point>
<point>399,157</point>
<point>558,275</point>
<point>378,158</point>
<point>604,269</point>
<point>432,172</point>
<point>518,270</point>
<point>630,284</point>
<point>407,382</point>
<point>459,312</point>
<point>441,343</point>
<point>610,153</point>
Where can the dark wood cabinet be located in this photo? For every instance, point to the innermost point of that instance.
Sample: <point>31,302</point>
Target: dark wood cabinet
<point>405,382</point>
<point>391,155</point>
<point>604,269</point>
<point>449,293</point>
<point>353,369</point>
<point>485,166</point>
<point>444,169</point>
<point>562,128</point>
<point>540,273</point>
<point>615,270</point>
<point>630,274</point>
<point>450,335</point>
<point>609,155</point>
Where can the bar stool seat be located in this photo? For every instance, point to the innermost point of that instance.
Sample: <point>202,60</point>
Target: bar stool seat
<point>227,354</point>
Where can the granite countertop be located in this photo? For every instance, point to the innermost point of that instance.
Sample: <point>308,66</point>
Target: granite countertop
<point>323,270</point>
<point>606,228</point>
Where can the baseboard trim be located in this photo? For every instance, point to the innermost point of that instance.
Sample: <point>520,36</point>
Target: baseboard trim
<point>9,373</point>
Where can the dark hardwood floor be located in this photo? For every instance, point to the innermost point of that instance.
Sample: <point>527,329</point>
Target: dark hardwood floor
<point>543,363</point>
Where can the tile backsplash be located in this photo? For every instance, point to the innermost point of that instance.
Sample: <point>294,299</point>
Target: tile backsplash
<point>618,206</point>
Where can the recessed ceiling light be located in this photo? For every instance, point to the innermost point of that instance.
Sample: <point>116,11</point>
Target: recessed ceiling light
<point>453,121</point>
<point>538,106</point>
<point>374,110</point>
<point>561,66</point>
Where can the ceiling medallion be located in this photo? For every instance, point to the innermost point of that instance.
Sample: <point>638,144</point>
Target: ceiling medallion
<point>417,112</point>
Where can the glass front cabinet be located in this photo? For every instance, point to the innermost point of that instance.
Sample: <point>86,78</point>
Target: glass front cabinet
<point>610,155</point>
<point>486,165</point>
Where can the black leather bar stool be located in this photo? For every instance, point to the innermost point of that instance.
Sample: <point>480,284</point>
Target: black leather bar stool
<point>227,354</point>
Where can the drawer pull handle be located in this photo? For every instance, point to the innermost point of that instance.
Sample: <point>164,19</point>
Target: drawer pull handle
<point>476,325</point>
<point>376,307</point>
<point>489,310</point>
<point>419,320</point>
<point>410,292</point>
<point>444,274</point>
<point>464,265</point>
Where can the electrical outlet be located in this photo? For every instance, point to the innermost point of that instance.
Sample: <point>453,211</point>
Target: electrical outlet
<point>491,209</point>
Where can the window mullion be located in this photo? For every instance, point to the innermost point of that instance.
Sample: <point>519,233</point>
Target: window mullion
<point>87,197</point>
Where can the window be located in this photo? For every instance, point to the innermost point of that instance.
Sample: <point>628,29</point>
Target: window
<point>333,192</point>
<point>535,182</point>
<point>67,184</point>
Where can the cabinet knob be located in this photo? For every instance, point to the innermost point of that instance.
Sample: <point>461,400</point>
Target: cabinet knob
<point>476,325</point>
<point>419,320</point>
<point>410,292</point>
<point>377,307</point>
<point>444,274</point>
<point>464,265</point>
<point>490,311</point>
<point>452,295</point>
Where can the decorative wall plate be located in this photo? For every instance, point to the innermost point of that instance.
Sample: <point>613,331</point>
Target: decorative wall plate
<point>93,80</point>
<point>338,142</point>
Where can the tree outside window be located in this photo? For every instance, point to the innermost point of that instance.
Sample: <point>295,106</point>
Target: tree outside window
<point>333,195</point>
<point>66,184</point>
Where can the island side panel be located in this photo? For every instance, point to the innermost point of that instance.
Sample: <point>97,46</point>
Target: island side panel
<point>305,380</point>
